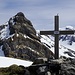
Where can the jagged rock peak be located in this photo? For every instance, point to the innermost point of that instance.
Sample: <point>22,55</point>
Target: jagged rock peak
<point>20,14</point>
<point>22,41</point>
<point>19,23</point>
<point>19,18</point>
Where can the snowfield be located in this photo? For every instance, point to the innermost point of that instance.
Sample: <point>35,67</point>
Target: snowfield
<point>64,49</point>
<point>6,62</point>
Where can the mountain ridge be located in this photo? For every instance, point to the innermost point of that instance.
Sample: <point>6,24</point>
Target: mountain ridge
<point>19,40</point>
<point>21,30</point>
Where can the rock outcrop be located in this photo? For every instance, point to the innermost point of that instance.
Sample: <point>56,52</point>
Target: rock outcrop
<point>62,66</point>
<point>22,41</point>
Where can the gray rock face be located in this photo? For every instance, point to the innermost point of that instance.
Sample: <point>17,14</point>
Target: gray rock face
<point>22,25</point>
<point>68,67</point>
<point>61,66</point>
<point>23,42</point>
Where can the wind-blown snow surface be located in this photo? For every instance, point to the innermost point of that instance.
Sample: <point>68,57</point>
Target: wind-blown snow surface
<point>64,48</point>
<point>6,62</point>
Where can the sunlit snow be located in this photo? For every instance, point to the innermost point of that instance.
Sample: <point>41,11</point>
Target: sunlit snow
<point>63,46</point>
<point>6,62</point>
<point>5,32</point>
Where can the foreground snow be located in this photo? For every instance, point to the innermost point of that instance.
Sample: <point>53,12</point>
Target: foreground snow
<point>6,62</point>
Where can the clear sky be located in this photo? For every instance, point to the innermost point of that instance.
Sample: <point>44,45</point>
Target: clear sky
<point>40,12</point>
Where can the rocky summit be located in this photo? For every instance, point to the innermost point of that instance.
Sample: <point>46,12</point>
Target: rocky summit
<point>18,39</point>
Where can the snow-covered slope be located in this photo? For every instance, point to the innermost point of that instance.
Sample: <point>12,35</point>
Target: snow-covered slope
<point>5,31</point>
<point>6,62</point>
<point>66,46</point>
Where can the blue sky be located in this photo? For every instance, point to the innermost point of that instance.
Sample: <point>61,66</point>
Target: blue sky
<point>40,12</point>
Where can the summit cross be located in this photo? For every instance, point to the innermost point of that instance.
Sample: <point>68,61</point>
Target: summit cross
<point>56,34</point>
